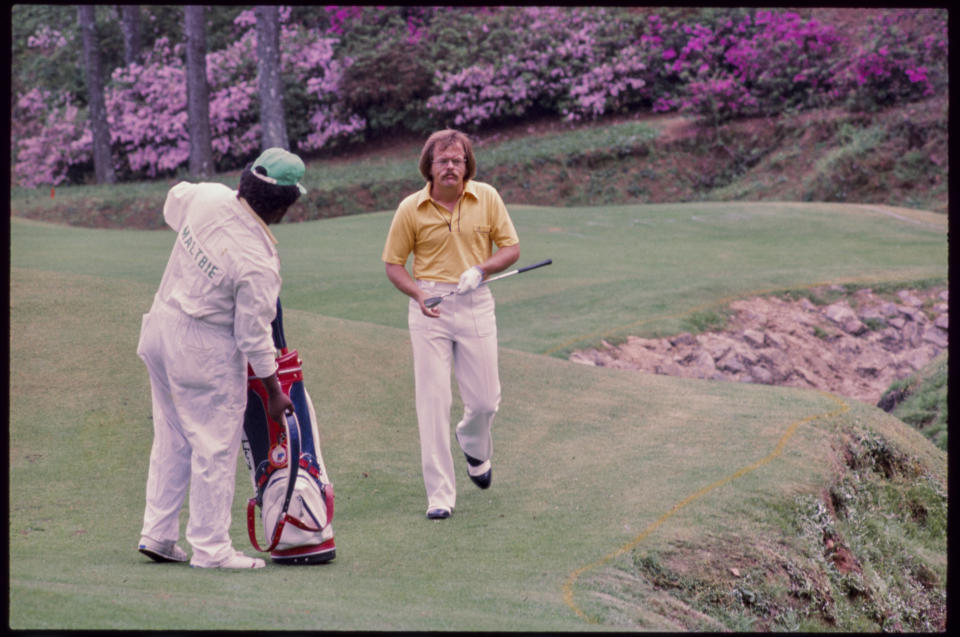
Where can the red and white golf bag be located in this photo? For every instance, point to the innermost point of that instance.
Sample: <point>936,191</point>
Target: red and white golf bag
<point>289,478</point>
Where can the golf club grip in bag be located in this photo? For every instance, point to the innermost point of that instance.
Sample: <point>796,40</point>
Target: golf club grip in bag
<point>286,467</point>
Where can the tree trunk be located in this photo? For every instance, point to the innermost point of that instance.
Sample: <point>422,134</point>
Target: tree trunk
<point>130,26</point>
<point>102,157</point>
<point>272,123</point>
<point>198,92</point>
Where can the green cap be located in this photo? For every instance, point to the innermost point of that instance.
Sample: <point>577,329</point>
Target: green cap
<point>283,168</point>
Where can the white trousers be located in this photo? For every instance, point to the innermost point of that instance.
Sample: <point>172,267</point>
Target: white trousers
<point>198,386</point>
<point>464,336</point>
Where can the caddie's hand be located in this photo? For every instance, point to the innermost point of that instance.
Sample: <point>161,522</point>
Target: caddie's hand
<point>278,403</point>
<point>469,280</point>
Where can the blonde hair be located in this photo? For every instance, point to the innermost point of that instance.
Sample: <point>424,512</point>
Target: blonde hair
<point>442,139</point>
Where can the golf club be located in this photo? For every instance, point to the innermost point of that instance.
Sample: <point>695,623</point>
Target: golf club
<point>435,300</point>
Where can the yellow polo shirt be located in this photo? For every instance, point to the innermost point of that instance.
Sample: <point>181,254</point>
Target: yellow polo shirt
<point>446,243</point>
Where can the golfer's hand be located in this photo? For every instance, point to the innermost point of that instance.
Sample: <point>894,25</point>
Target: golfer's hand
<point>432,312</point>
<point>469,280</point>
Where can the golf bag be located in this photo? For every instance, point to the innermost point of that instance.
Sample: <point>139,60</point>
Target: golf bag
<point>289,478</point>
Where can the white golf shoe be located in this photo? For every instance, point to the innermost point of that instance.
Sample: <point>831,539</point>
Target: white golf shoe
<point>237,560</point>
<point>161,551</point>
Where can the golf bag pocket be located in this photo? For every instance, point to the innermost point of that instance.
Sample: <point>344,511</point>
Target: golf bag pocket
<point>307,515</point>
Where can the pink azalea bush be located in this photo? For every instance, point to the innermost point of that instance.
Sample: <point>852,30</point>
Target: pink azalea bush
<point>52,137</point>
<point>904,59</point>
<point>474,67</point>
<point>147,108</point>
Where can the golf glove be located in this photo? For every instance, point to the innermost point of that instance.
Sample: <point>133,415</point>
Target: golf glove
<point>470,279</point>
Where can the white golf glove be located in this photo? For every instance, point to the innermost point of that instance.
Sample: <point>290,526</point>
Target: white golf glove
<point>469,280</point>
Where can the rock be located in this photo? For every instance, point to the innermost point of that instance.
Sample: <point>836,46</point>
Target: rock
<point>583,357</point>
<point>871,313</point>
<point>806,375</point>
<point>669,368</point>
<point>915,359</point>
<point>686,338</point>
<point>912,334</point>
<point>888,309</point>
<point>776,361</point>
<point>839,312</point>
<point>913,314</point>
<point>936,336</point>
<point>776,340</point>
<point>745,354</point>
<point>855,327</point>
<point>871,364</point>
<point>754,338</point>
<point>909,298</point>
<point>773,341</point>
<point>731,362</point>
<point>890,338</point>
<point>761,375</point>
<point>701,365</point>
<point>716,345</point>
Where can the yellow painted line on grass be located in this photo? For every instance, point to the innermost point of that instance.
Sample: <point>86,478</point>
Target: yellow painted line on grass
<point>781,445</point>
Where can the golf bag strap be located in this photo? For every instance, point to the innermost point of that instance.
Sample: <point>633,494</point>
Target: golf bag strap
<point>293,467</point>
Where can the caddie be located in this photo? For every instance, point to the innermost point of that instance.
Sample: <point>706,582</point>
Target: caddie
<point>211,317</point>
<point>451,227</point>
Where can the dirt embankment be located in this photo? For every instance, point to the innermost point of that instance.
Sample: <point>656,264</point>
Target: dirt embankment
<point>855,346</point>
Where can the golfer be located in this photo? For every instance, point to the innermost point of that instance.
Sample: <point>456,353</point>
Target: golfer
<point>451,226</point>
<point>210,318</point>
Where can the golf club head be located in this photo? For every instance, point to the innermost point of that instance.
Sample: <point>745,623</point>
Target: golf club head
<point>433,301</point>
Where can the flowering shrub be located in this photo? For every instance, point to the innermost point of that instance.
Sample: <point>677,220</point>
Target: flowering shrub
<point>146,111</point>
<point>904,59</point>
<point>551,59</point>
<point>52,138</point>
<point>362,70</point>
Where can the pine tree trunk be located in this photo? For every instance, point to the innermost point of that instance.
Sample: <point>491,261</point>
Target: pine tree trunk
<point>198,92</point>
<point>272,122</point>
<point>102,157</point>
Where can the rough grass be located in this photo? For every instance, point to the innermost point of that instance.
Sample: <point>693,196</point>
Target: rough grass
<point>921,400</point>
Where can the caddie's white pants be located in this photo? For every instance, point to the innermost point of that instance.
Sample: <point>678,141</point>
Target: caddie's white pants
<point>465,335</point>
<point>198,384</point>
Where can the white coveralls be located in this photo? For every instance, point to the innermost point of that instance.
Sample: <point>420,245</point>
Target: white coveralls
<point>209,318</point>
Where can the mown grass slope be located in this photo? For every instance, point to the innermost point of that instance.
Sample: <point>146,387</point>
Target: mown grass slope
<point>607,484</point>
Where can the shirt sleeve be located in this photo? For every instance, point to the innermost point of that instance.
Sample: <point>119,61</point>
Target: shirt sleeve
<point>401,237</point>
<point>257,291</point>
<point>175,206</point>
<point>503,233</point>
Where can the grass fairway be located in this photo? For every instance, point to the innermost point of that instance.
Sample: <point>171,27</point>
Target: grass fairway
<point>590,464</point>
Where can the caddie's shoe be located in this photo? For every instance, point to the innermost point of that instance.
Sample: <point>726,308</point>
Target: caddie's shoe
<point>438,514</point>
<point>161,551</point>
<point>239,560</point>
<point>480,471</point>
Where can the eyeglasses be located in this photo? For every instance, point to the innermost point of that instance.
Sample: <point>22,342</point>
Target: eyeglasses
<point>456,161</point>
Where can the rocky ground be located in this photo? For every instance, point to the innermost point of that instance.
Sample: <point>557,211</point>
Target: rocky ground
<point>856,345</point>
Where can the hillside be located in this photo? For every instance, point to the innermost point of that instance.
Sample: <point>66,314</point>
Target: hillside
<point>898,157</point>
